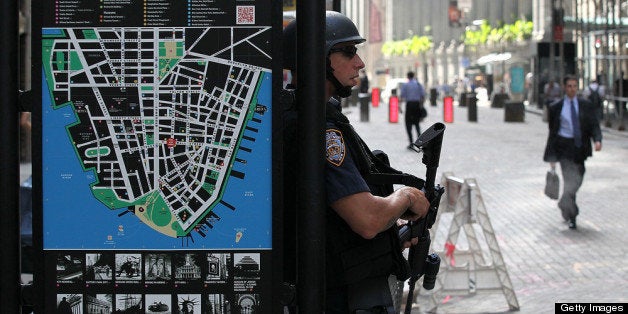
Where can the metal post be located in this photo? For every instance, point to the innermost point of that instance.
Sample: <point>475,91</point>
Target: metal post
<point>617,36</point>
<point>311,191</point>
<point>9,159</point>
<point>561,48</point>
<point>552,41</point>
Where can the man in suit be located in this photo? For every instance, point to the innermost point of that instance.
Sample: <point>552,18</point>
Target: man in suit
<point>573,124</point>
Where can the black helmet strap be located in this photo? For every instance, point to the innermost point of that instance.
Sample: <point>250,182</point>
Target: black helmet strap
<point>341,90</point>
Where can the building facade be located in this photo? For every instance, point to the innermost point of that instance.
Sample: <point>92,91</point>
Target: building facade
<point>583,37</point>
<point>601,33</point>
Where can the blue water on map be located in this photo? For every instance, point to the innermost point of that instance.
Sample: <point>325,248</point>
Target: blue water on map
<point>51,31</point>
<point>75,219</point>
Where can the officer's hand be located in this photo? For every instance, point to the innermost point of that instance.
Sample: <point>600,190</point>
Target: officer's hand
<point>408,244</point>
<point>413,241</point>
<point>417,203</point>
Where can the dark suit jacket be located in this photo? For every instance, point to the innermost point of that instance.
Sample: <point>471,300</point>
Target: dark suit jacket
<point>589,128</point>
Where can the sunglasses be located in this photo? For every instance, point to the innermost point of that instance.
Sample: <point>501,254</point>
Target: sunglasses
<point>347,51</point>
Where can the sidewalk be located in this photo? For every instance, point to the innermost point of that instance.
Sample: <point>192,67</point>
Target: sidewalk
<point>546,261</point>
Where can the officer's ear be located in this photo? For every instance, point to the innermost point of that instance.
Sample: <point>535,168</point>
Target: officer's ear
<point>328,65</point>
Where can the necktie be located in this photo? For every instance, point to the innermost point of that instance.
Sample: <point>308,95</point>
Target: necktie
<point>575,124</point>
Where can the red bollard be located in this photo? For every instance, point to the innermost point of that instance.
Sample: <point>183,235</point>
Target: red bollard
<point>375,97</point>
<point>448,109</point>
<point>393,109</point>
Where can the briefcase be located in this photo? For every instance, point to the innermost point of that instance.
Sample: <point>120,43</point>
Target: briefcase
<point>551,184</point>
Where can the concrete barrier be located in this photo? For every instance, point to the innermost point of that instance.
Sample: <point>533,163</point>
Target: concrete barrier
<point>514,111</point>
<point>499,100</point>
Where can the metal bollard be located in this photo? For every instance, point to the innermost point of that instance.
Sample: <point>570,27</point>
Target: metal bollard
<point>472,108</point>
<point>393,109</point>
<point>448,109</point>
<point>375,97</point>
<point>364,107</point>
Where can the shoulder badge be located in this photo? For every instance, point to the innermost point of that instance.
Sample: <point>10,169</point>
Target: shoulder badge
<point>335,147</point>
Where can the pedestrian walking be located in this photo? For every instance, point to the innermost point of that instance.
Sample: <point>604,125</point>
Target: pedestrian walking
<point>413,94</point>
<point>572,126</point>
<point>551,92</point>
<point>364,82</point>
<point>596,93</point>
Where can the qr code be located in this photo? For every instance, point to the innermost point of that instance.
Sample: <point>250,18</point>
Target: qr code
<point>245,14</point>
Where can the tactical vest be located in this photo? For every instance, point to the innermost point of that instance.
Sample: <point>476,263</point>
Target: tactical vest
<point>351,258</point>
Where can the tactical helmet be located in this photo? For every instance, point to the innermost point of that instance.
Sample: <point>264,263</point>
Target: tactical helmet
<point>340,29</point>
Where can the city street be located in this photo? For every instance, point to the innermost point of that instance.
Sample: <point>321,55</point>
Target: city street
<point>546,261</point>
<point>150,137</point>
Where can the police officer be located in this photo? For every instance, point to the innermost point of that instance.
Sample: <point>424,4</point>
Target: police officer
<point>362,247</point>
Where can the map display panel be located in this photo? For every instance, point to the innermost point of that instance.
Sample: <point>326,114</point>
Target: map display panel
<point>156,137</point>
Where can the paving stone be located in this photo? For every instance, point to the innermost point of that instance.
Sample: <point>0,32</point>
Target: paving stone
<point>546,261</point>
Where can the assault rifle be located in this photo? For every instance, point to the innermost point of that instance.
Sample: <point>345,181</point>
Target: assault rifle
<point>422,263</point>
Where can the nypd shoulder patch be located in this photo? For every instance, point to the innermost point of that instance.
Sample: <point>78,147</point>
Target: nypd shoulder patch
<point>335,147</point>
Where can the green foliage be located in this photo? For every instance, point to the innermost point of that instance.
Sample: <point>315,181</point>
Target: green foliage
<point>414,46</point>
<point>519,31</point>
<point>478,36</point>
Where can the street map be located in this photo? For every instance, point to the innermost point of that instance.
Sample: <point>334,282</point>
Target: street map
<point>160,121</point>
